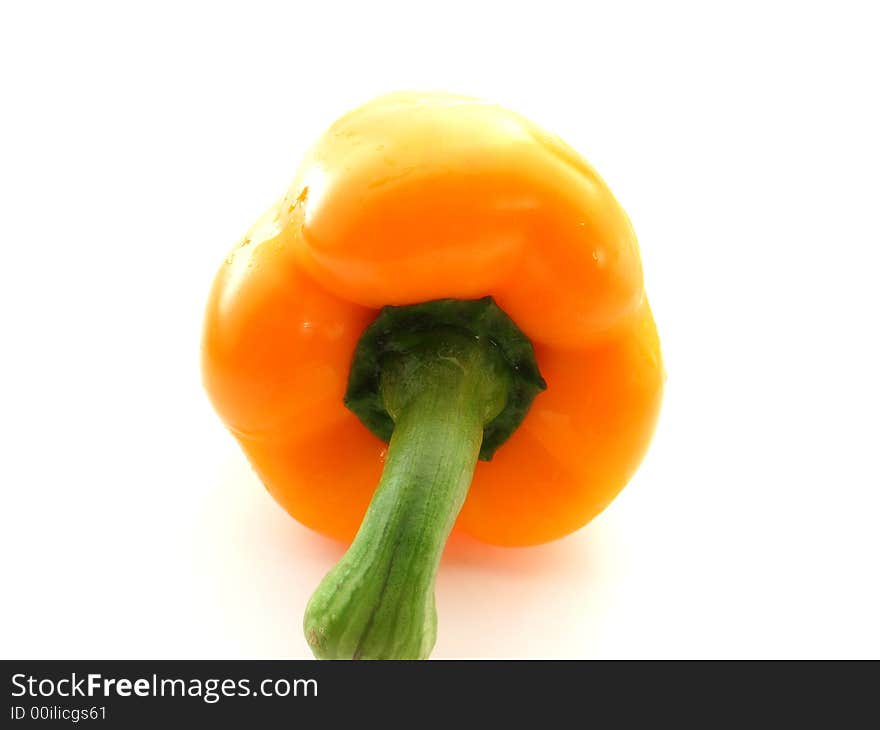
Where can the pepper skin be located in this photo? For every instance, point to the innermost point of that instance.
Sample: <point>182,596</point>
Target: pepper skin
<point>415,197</point>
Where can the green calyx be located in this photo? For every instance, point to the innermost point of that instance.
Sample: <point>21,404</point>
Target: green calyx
<point>439,379</point>
<point>392,333</point>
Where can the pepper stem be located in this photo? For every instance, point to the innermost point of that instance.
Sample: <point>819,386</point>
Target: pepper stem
<point>378,601</point>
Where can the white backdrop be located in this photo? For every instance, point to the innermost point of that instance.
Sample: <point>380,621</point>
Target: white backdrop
<point>139,141</point>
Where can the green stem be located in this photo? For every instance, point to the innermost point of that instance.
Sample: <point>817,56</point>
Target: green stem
<point>378,601</point>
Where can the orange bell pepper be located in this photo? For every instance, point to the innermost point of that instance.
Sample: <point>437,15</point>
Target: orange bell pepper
<point>410,199</point>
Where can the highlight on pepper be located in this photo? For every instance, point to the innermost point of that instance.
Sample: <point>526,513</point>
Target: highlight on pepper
<point>441,326</point>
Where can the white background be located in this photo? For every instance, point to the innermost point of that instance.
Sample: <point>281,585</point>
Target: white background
<point>139,142</point>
